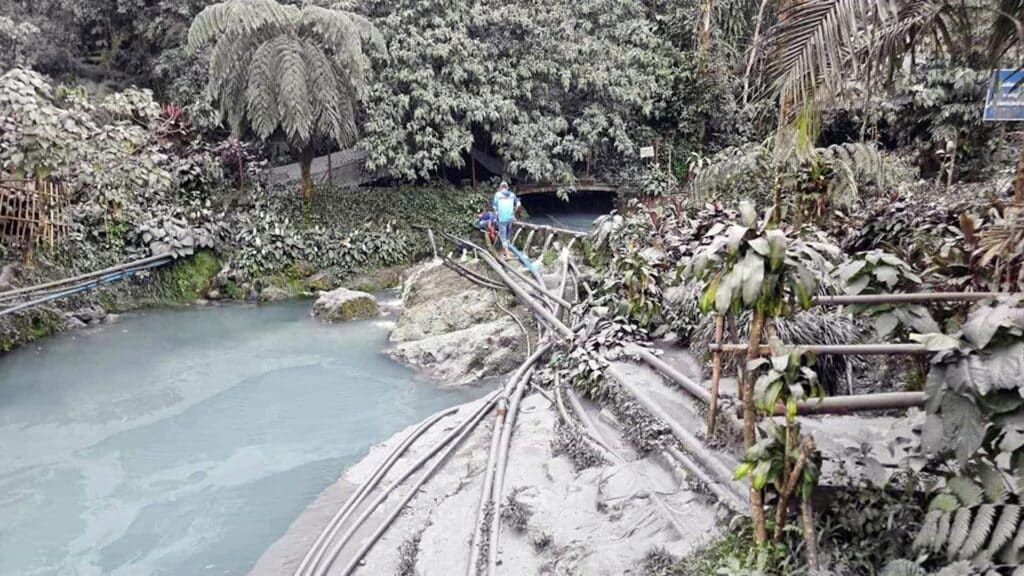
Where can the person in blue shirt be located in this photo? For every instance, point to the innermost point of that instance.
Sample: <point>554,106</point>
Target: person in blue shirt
<point>506,205</point>
<point>487,222</point>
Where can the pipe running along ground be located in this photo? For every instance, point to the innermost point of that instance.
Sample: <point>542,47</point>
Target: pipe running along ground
<point>666,511</point>
<point>315,553</point>
<point>522,376</point>
<point>466,429</point>
<point>485,492</point>
<point>686,438</point>
<point>485,407</point>
<point>82,287</point>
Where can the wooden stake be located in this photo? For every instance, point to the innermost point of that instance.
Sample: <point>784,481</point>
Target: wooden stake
<point>716,374</point>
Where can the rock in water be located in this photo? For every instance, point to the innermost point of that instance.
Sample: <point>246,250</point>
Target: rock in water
<point>273,294</point>
<point>455,329</point>
<point>344,304</point>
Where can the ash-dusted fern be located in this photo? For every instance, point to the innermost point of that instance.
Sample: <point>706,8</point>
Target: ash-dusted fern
<point>971,521</point>
<point>975,410</point>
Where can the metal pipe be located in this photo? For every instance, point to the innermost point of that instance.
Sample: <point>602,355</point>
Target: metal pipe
<point>520,293</point>
<point>150,259</point>
<point>726,496</point>
<point>832,349</point>
<point>518,380</point>
<point>315,553</point>
<point>684,436</point>
<point>322,568</point>
<point>916,297</point>
<point>855,403</point>
<point>546,228</point>
<point>433,245</point>
<point>472,276</point>
<point>451,446</point>
<point>688,440</point>
<point>87,285</point>
<point>485,492</point>
<point>695,389</point>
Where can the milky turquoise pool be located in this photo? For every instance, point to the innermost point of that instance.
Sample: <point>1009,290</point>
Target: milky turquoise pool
<point>184,442</point>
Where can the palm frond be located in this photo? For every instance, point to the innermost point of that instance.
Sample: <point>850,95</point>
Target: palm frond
<point>237,17</point>
<point>293,93</point>
<point>261,91</point>
<point>817,44</point>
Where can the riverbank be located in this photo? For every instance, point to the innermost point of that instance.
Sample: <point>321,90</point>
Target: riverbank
<point>560,519</point>
<point>568,510</point>
<point>270,247</point>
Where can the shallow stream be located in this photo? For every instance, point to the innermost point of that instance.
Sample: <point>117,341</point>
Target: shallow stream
<point>184,442</point>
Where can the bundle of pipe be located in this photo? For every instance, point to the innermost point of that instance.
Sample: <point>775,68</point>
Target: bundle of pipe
<point>519,381</point>
<point>315,553</point>
<point>714,466</point>
<point>320,563</point>
<point>51,291</point>
<point>63,283</point>
<point>590,430</point>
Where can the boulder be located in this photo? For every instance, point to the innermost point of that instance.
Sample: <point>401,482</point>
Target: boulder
<point>273,294</point>
<point>343,304</point>
<point>454,328</point>
<point>90,314</point>
<point>319,281</point>
<point>463,356</point>
<point>71,322</point>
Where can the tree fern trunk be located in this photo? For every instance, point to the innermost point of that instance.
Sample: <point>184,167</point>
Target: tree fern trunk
<point>306,165</point>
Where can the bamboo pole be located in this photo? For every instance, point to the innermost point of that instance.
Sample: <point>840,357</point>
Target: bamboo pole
<point>831,349</point>
<point>547,244</point>
<point>854,403</point>
<point>916,297</point>
<point>529,240</point>
<point>716,374</point>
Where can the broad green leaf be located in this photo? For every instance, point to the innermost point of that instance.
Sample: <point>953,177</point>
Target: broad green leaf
<point>885,325</point>
<point>742,470</point>
<point>936,342</point>
<point>760,474</point>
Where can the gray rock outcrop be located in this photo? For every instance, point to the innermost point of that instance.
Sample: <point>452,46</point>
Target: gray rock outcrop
<point>343,304</point>
<point>455,329</point>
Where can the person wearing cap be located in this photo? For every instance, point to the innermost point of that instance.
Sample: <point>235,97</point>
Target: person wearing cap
<point>506,205</point>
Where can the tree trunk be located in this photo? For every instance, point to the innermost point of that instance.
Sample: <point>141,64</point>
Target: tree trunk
<point>750,423</point>
<point>810,536</point>
<point>306,165</point>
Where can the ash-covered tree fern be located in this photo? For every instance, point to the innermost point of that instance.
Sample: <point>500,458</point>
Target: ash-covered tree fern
<point>299,72</point>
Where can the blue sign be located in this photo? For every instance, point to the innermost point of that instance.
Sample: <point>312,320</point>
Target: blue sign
<point>1005,100</point>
